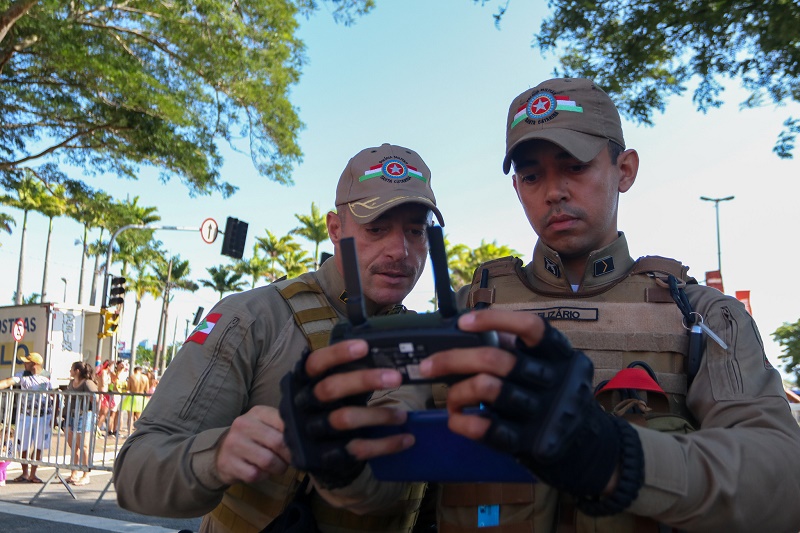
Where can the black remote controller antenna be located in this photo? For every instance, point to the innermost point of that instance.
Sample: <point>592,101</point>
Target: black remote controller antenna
<point>356,310</point>
<point>441,274</point>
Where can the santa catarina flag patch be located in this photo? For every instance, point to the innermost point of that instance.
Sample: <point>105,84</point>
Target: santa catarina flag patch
<point>204,328</point>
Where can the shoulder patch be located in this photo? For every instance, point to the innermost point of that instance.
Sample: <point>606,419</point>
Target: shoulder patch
<point>203,330</point>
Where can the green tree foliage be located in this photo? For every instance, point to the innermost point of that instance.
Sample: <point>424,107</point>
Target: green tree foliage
<point>463,260</point>
<point>256,267</point>
<point>276,247</point>
<point>295,262</point>
<point>314,228</point>
<point>644,51</point>
<point>53,205</point>
<point>28,195</point>
<point>223,280</point>
<point>110,85</point>
<point>6,221</point>
<point>788,337</point>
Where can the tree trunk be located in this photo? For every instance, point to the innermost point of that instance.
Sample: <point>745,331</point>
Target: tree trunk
<point>96,273</point>
<point>46,260</point>
<point>83,263</point>
<point>133,333</point>
<point>18,296</point>
<point>14,12</point>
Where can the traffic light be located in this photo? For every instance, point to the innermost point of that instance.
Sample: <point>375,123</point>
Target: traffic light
<point>235,235</point>
<point>110,323</point>
<point>117,291</point>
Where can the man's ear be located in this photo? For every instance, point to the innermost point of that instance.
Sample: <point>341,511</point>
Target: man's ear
<point>628,165</point>
<point>334,223</point>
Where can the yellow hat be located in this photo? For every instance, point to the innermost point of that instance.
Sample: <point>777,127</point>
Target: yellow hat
<point>33,357</point>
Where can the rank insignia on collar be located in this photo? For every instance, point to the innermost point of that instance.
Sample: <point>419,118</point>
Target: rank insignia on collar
<point>343,296</point>
<point>552,267</point>
<point>603,266</point>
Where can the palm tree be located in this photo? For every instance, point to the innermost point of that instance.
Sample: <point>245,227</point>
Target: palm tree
<point>256,267</point>
<point>25,300</point>
<point>133,243</point>
<point>460,270</point>
<point>274,248</point>
<point>53,205</point>
<point>121,214</point>
<point>223,280</point>
<point>172,274</point>
<point>29,195</point>
<point>313,228</point>
<point>470,259</point>
<point>6,221</point>
<point>296,262</point>
<point>89,208</point>
<point>140,285</point>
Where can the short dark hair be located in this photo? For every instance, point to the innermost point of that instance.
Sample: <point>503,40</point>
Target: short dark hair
<point>614,150</point>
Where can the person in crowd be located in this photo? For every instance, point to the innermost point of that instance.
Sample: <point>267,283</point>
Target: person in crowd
<point>119,385</point>
<point>79,412</point>
<point>213,428</point>
<point>138,385</point>
<point>35,429</point>
<point>103,378</point>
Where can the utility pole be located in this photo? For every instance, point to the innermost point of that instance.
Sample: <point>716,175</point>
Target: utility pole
<point>716,208</point>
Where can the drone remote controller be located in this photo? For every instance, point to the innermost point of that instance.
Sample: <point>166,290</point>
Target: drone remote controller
<point>403,341</point>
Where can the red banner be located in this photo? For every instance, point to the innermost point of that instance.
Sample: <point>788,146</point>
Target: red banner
<point>714,279</point>
<point>744,297</point>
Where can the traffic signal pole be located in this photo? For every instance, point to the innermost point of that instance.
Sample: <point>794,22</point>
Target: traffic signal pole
<point>109,255</point>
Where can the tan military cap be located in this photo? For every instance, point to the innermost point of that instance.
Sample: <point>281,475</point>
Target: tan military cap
<point>573,113</point>
<point>380,178</point>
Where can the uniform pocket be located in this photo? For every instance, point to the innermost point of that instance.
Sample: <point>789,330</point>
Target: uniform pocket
<point>210,381</point>
<point>723,367</point>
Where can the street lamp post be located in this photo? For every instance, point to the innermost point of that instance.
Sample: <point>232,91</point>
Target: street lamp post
<point>65,289</point>
<point>716,208</point>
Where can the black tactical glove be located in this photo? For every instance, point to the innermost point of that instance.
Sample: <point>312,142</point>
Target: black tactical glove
<point>317,447</point>
<point>547,417</point>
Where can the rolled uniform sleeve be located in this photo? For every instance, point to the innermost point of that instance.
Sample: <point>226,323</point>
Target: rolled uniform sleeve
<point>741,470</point>
<point>167,467</point>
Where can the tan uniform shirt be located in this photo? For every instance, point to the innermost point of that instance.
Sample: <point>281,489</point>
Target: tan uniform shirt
<point>167,467</point>
<point>740,471</point>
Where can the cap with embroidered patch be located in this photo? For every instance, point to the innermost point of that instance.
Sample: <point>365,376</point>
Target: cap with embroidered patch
<point>573,113</point>
<point>380,178</point>
<point>32,357</point>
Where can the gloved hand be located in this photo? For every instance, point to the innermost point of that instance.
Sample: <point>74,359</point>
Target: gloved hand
<point>547,417</point>
<point>316,447</point>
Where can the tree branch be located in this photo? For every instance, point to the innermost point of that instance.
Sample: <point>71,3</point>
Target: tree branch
<point>14,12</point>
<point>12,164</point>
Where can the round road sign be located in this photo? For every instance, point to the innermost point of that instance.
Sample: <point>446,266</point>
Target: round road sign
<point>18,331</point>
<point>209,230</point>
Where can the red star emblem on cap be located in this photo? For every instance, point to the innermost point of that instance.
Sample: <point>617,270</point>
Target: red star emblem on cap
<point>540,105</point>
<point>395,169</point>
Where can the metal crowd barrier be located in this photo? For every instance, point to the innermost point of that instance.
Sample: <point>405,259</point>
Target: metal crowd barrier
<point>61,423</point>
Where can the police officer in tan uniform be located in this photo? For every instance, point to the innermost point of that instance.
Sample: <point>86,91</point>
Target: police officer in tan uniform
<point>211,436</point>
<point>656,409</point>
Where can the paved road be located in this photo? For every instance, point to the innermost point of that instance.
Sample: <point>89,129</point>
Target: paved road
<point>33,508</point>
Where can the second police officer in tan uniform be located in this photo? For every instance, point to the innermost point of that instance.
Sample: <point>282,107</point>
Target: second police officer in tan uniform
<point>672,420</point>
<point>210,441</point>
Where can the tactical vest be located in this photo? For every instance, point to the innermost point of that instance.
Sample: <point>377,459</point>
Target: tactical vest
<point>630,321</point>
<point>248,509</point>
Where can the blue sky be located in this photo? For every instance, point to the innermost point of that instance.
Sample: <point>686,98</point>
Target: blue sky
<point>437,76</point>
